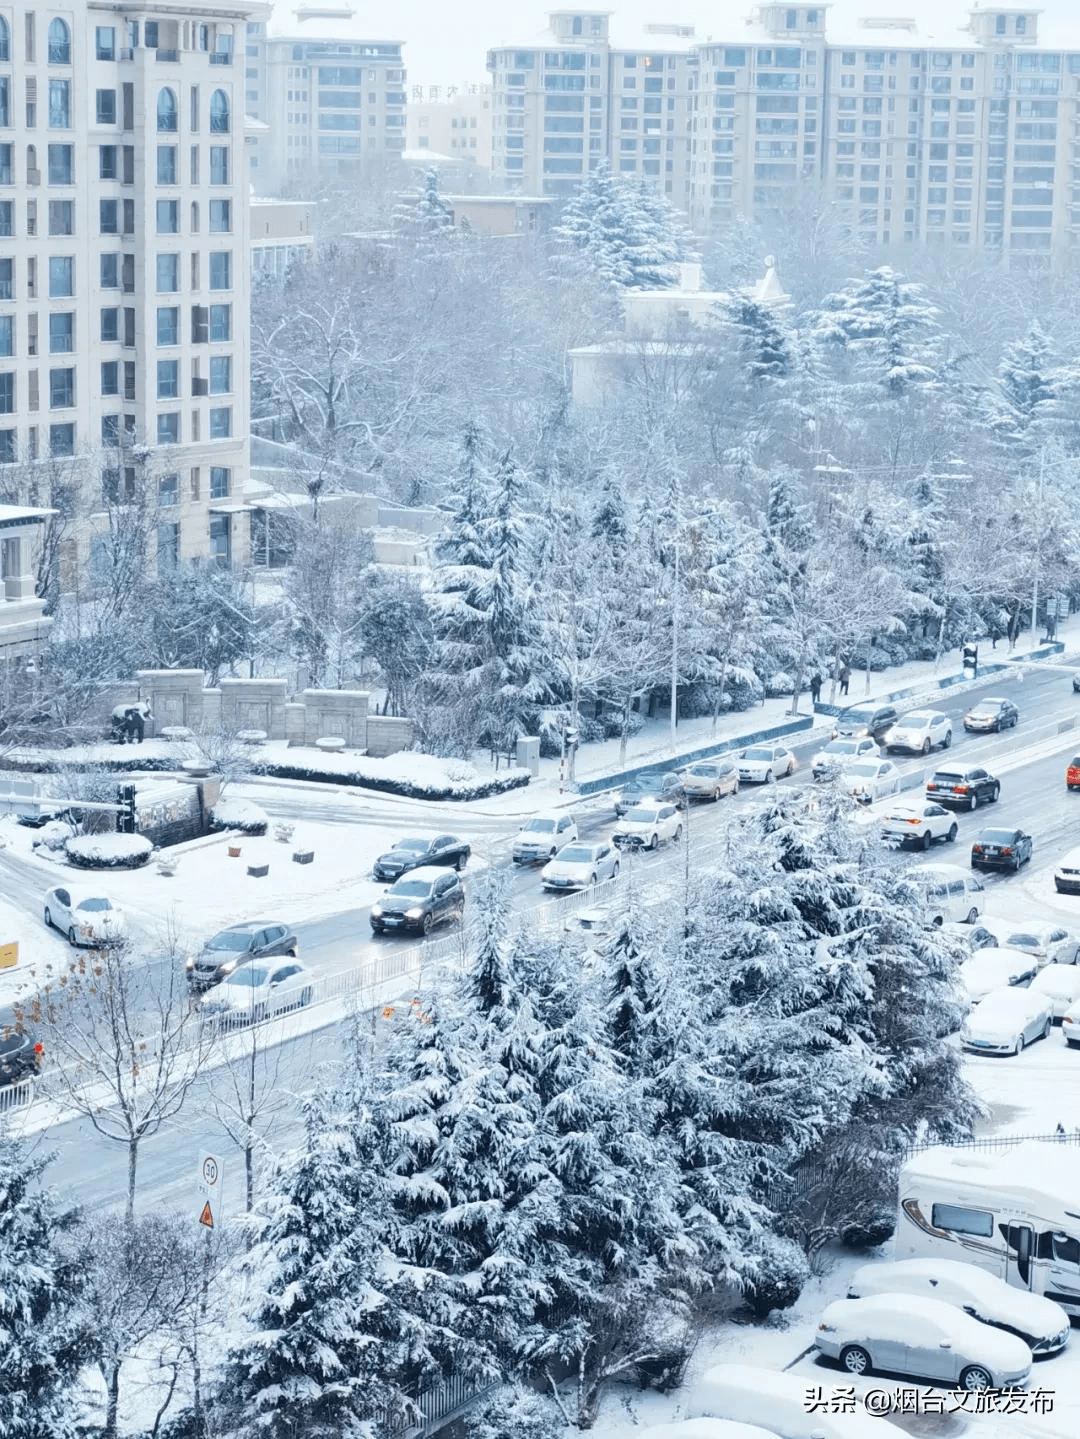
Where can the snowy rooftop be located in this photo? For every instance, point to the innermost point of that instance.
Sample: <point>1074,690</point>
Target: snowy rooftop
<point>293,19</point>
<point>916,24</point>
<point>656,38</point>
<point>1043,1164</point>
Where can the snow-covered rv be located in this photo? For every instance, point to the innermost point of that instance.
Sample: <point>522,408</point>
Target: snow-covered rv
<point>1015,1212</point>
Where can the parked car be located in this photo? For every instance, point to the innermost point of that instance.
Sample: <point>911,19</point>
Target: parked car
<point>239,945</point>
<point>1006,1020</point>
<point>578,865</point>
<point>992,713</point>
<point>1060,983</point>
<point>87,918</point>
<point>656,784</point>
<point>990,969</point>
<point>764,763</point>
<point>596,920</point>
<point>1039,1322</point>
<point>1072,773</point>
<point>1001,849</point>
<point>254,992</point>
<point>710,779</point>
<point>926,1338</point>
<point>1076,684</point>
<point>1049,943</point>
<point>543,836</point>
<point>967,786</point>
<point>860,720</point>
<point>1070,1026</point>
<point>440,849</point>
<point>919,732</point>
<point>952,894</point>
<point>419,901</point>
<point>871,780</point>
<point>775,1400</point>
<point>21,1052</point>
<point>920,822</point>
<point>970,936</point>
<point>707,1429</point>
<point>1067,873</point>
<point>841,752</point>
<point>647,825</point>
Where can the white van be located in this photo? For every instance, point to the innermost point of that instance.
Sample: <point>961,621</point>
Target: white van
<point>954,895</point>
<point>1011,1211</point>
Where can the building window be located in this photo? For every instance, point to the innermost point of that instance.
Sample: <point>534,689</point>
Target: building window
<point>220,323</point>
<point>221,270</point>
<point>7,394</point>
<point>110,272</point>
<point>105,42</point>
<point>61,164</point>
<point>167,112</point>
<point>220,541</point>
<point>110,431</point>
<point>109,216</point>
<point>220,481</point>
<point>59,43</point>
<point>220,375</point>
<point>168,429</point>
<point>169,490</point>
<point>7,335</point>
<point>5,101</point>
<point>166,164</point>
<point>61,217</point>
<point>61,276</point>
<point>219,164</point>
<point>7,268</point>
<point>168,379</point>
<point>168,326</point>
<point>61,389</point>
<point>5,40</point>
<point>221,423</point>
<point>59,104</point>
<point>61,333</point>
<point>220,217</point>
<point>5,164</point>
<point>7,447</point>
<point>168,274</point>
<point>7,217</point>
<point>61,440</point>
<point>168,217</point>
<point>110,377</point>
<point>107,162</point>
<point>219,113</point>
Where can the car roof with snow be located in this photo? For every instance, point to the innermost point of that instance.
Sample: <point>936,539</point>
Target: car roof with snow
<point>1009,997</point>
<point>428,873</point>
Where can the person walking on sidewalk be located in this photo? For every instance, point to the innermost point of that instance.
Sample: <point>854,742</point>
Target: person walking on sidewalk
<point>815,687</point>
<point>845,678</point>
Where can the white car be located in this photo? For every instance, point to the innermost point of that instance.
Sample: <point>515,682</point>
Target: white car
<point>763,763</point>
<point>708,1429</point>
<point>543,836</point>
<point>1040,1323</point>
<point>255,991</point>
<point>648,825</point>
<point>952,894</point>
<point>86,918</point>
<point>1060,984</point>
<point>926,1338</point>
<point>578,865</point>
<point>595,920</point>
<point>919,732</point>
<point>1049,943</point>
<point>775,1400</point>
<point>870,780</point>
<point>1006,1020</point>
<point>970,937</point>
<point>1067,873</point>
<point>840,752</point>
<point>1070,1026</point>
<point>920,822</point>
<point>990,969</point>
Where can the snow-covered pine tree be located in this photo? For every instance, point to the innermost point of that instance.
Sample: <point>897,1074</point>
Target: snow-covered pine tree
<point>764,347</point>
<point>889,326</point>
<point>590,235</point>
<point>423,215</point>
<point>658,238</point>
<point>46,1334</point>
<point>1023,394</point>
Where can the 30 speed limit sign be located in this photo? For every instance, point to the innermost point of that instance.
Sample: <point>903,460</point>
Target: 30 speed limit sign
<point>209,1186</point>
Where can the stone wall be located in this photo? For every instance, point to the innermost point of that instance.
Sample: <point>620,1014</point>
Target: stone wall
<point>254,704</point>
<point>176,697</point>
<point>386,734</point>
<point>336,712</point>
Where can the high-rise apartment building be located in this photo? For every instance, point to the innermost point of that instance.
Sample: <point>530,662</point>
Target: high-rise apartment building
<point>124,268</point>
<point>452,120</point>
<point>929,121</point>
<point>331,104</point>
<point>571,98</point>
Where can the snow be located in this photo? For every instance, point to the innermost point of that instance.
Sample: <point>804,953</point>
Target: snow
<point>753,1395</point>
<point>109,849</point>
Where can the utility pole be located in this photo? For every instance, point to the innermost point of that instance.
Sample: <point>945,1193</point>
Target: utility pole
<point>1038,550</point>
<point>675,644</point>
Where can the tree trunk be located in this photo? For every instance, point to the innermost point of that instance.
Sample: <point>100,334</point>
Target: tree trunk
<point>869,646</point>
<point>133,1159</point>
<point>112,1398</point>
<point>627,711</point>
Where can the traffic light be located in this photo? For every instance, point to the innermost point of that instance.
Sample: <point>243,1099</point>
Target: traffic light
<point>125,818</point>
<point>971,657</point>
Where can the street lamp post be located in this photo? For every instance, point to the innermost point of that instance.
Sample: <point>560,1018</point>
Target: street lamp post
<point>675,650</point>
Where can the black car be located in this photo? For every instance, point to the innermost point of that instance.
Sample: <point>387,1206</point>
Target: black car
<point>1076,684</point>
<point>991,714</point>
<point>412,853</point>
<point>965,785</point>
<point>20,1053</point>
<point>658,784</point>
<point>858,720</point>
<point>418,902</point>
<point>1001,849</point>
<point>239,944</point>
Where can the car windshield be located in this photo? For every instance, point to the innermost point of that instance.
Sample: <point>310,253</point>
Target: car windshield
<point>864,771</point>
<point>997,836</point>
<point>93,904</point>
<point>411,889</point>
<point>843,746</point>
<point>850,717</point>
<point>574,854</point>
<point>646,782</point>
<point>640,815</point>
<point>916,718</point>
<point>247,978</point>
<point>758,753</point>
<point>948,776</point>
<point>705,771</point>
<point>231,939</point>
<point>984,711</point>
<point>415,846</point>
<point>1024,941</point>
<point>540,826</point>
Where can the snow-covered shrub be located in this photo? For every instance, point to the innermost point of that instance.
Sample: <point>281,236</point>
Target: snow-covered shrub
<point>869,1233</point>
<point>239,814</point>
<point>782,1273</point>
<point>515,1412</point>
<point>779,683</point>
<point>880,659</point>
<point>53,835</point>
<point>612,723</point>
<point>742,690</point>
<point>108,851</point>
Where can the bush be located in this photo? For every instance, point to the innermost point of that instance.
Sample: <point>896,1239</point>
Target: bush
<point>782,1274</point>
<point>742,691</point>
<point>612,722</point>
<point>498,784</point>
<point>879,659</point>
<point>108,851</point>
<point>515,1412</point>
<point>779,683</point>
<point>239,814</point>
<point>869,1234</point>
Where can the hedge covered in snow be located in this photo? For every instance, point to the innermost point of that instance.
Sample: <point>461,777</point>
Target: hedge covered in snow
<point>108,851</point>
<point>239,814</point>
<point>319,772</point>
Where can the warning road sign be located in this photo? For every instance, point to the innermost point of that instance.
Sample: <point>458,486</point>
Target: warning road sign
<point>207,1216</point>
<point>208,1185</point>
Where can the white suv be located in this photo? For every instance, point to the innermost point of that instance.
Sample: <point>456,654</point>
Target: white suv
<point>543,836</point>
<point>919,732</point>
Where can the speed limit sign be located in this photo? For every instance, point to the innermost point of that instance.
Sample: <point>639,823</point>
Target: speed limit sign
<point>208,1182</point>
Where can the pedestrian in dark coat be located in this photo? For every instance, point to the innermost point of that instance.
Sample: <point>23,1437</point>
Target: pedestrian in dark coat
<point>845,679</point>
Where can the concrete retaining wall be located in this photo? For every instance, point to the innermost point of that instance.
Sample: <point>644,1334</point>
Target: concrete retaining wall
<point>387,734</point>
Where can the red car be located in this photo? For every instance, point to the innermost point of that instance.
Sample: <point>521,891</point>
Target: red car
<point>1072,774</point>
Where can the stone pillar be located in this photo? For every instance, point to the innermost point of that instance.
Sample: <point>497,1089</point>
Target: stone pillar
<point>18,582</point>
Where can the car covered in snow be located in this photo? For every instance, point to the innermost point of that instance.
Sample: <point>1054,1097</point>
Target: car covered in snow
<point>1060,983</point>
<point>578,865</point>
<point>776,1400</point>
<point>1007,1020</point>
<point>989,969</point>
<point>646,826</point>
<point>918,822</point>
<point>919,732</point>
<point>926,1338</point>
<point>764,763</point>
<point>1049,943</point>
<point>543,836</point>
<point>707,1429</point>
<point>871,780</point>
<point>1042,1325</point>
<point>85,916</point>
<point>1067,873</point>
<point>841,752</point>
<point>970,937</point>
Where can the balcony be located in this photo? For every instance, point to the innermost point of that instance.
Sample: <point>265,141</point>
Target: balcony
<point>221,57</point>
<point>168,57</point>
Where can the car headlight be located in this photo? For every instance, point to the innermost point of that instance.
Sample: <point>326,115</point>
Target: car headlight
<point>189,963</point>
<point>228,966</point>
<point>415,913</point>
<point>377,910</point>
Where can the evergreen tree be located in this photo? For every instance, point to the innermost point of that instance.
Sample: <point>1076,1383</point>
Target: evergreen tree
<point>628,236</point>
<point>890,328</point>
<point>45,1331</point>
<point>1022,400</point>
<point>424,215</point>
<point>763,345</point>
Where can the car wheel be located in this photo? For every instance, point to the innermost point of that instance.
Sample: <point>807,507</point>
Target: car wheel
<point>975,1379</point>
<point>678,833</point>
<point>925,839</point>
<point>73,938</point>
<point>376,929</point>
<point>948,739</point>
<point>951,836</point>
<point>305,996</point>
<point>972,915</point>
<point>462,860</point>
<point>293,951</point>
<point>615,870</point>
<point>426,923</point>
<point>1046,1029</point>
<point>973,801</point>
<point>926,745</point>
<point>1073,1043</point>
<point>1017,862</point>
<point>716,794</point>
<point>593,879</point>
<point>994,794</point>
<point>855,1359</point>
<point>48,917</point>
<point>1019,1047</point>
<point>770,778</point>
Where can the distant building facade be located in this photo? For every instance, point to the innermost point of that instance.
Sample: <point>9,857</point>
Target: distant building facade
<point>452,120</point>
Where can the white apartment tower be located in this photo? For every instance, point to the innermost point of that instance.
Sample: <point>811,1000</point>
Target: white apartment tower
<point>124,266</point>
